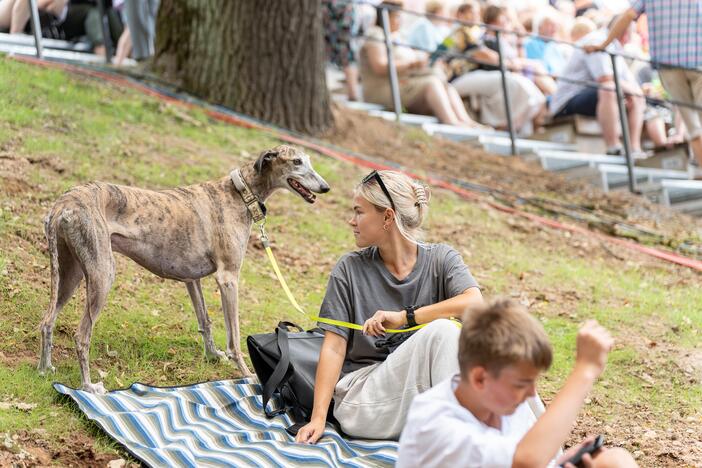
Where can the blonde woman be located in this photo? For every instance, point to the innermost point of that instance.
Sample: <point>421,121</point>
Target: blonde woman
<point>393,281</point>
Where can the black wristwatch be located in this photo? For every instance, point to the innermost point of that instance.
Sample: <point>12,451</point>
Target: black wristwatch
<point>411,322</point>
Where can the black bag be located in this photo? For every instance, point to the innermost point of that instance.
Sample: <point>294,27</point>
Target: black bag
<point>286,363</point>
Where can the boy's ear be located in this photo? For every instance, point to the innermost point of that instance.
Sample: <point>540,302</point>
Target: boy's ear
<point>477,376</point>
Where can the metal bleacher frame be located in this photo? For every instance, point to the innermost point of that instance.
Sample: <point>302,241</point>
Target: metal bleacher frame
<point>508,139</point>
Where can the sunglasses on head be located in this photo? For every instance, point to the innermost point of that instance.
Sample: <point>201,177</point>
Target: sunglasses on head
<point>376,176</point>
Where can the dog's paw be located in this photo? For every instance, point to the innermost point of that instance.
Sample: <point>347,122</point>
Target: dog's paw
<point>44,370</point>
<point>215,356</point>
<point>96,388</point>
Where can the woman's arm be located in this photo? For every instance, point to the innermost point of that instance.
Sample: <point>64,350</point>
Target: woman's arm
<point>331,358</point>
<point>452,307</point>
<point>378,60</point>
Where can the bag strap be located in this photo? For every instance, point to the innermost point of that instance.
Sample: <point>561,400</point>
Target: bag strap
<point>281,372</point>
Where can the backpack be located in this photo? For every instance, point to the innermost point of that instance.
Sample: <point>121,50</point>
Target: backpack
<point>286,364</point>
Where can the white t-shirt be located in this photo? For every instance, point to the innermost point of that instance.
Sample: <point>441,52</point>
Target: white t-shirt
<point>439,432</point>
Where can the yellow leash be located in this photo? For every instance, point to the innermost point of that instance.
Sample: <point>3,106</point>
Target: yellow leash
<point>291,298</point>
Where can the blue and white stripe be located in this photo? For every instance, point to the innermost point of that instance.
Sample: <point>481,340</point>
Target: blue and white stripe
<point>216,424</point>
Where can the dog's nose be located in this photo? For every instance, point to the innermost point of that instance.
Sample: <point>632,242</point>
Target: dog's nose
<point>324,189</point>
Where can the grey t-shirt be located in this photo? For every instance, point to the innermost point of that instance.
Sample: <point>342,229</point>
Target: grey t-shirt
<point>360,285</point>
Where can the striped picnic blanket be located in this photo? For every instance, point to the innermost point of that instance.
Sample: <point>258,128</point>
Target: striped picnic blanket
<point>216,424</point>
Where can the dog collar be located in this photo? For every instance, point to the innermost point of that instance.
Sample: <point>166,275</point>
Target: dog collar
<point>256,208</point>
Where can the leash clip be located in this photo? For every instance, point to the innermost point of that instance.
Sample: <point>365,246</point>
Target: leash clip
<point>263,236</point>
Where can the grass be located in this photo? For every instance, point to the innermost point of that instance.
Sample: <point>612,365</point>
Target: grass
<point>57,131</point>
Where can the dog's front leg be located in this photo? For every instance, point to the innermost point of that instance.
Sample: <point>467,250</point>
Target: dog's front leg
<point>203,320</point>
<point>228,288</point>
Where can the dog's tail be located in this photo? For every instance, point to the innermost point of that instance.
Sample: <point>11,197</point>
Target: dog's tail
<point>52,246</point>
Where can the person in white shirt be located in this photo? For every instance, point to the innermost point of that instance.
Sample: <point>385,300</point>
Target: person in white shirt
<point>481,417</point>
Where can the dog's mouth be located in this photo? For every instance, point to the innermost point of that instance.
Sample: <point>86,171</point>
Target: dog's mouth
<point>302,190</point>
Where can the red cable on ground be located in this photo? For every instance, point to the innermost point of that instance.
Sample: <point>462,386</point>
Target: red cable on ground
<point>657,253</point>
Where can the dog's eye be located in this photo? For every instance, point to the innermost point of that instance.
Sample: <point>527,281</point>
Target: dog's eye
<point>297,162</point>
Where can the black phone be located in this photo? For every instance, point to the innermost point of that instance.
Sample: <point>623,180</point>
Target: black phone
<point>590,448</point>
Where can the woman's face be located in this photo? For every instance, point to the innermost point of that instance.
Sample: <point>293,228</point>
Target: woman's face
<point>395,20</point>
<point>367,222</point>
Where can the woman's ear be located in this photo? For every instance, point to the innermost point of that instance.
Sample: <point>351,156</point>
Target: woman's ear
<point>389,215</point>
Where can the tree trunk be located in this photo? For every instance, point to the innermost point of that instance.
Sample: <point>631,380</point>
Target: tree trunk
<point>262,58</point>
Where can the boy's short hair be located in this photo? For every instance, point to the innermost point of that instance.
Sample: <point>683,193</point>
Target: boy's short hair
<point>465,7</point>
<point>492,12</point>
<point>501,334</point>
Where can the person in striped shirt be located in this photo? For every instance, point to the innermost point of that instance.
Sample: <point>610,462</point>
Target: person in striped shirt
<point>675,36</point>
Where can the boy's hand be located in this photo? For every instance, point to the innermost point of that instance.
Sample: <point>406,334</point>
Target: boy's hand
<point>593,344</point>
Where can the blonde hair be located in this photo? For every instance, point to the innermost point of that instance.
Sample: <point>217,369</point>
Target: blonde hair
<point>433,7</point>
<point>501,334</point>
<point>411,201</point>
<point>581,27</point>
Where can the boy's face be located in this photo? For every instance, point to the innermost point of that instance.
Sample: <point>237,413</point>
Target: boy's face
<point>469,15</point>
<point>503,393</point>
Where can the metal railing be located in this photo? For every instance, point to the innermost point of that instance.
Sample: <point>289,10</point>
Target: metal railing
<point>384,9</point>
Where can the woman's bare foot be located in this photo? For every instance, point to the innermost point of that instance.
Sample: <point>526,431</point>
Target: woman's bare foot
<point>474,125</point>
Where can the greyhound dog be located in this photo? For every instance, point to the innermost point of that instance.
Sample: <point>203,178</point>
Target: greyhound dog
<point>183,234</point>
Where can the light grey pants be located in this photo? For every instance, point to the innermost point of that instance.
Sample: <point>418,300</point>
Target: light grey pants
<point>141,20</point>
<point>373,402</point>
<point>486,85</point>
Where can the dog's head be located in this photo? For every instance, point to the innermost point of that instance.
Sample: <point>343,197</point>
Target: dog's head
<point>290,168</point>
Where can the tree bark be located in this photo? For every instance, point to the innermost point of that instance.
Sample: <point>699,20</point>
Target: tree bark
<point>263,58</point>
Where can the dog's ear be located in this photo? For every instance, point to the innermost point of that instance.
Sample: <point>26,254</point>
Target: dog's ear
<point>264,160</point>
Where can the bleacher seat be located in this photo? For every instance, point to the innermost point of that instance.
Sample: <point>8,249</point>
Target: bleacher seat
<point>502,145</point>
<point>682,195</point>
<point>453,132</point>
<point>613,176</point>
<point>566,160</point>
<point>409,119</point>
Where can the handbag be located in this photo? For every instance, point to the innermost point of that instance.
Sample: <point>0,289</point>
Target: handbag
<point>286,364</point>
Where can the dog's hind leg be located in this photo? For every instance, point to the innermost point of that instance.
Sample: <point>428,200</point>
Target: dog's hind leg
<point>66,274</point>
<point>228,288</point>
<point>90,242</point>
<point>203,320</point>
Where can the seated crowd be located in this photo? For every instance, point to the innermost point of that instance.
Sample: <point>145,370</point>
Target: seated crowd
<point>448,66</point>
<point>131,23</point>
<point>453,394</point>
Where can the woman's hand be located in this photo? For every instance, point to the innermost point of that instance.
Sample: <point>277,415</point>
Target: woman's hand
<point>382,319</point>
<point>310,432</point>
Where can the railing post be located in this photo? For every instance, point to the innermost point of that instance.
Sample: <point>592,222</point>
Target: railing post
<point>624,122</point>
<point>106,37</point>
<point>36,27</point>
<point>505,94</point>
<point>392,71</point>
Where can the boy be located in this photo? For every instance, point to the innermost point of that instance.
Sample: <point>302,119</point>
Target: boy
<point>480,418</point>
